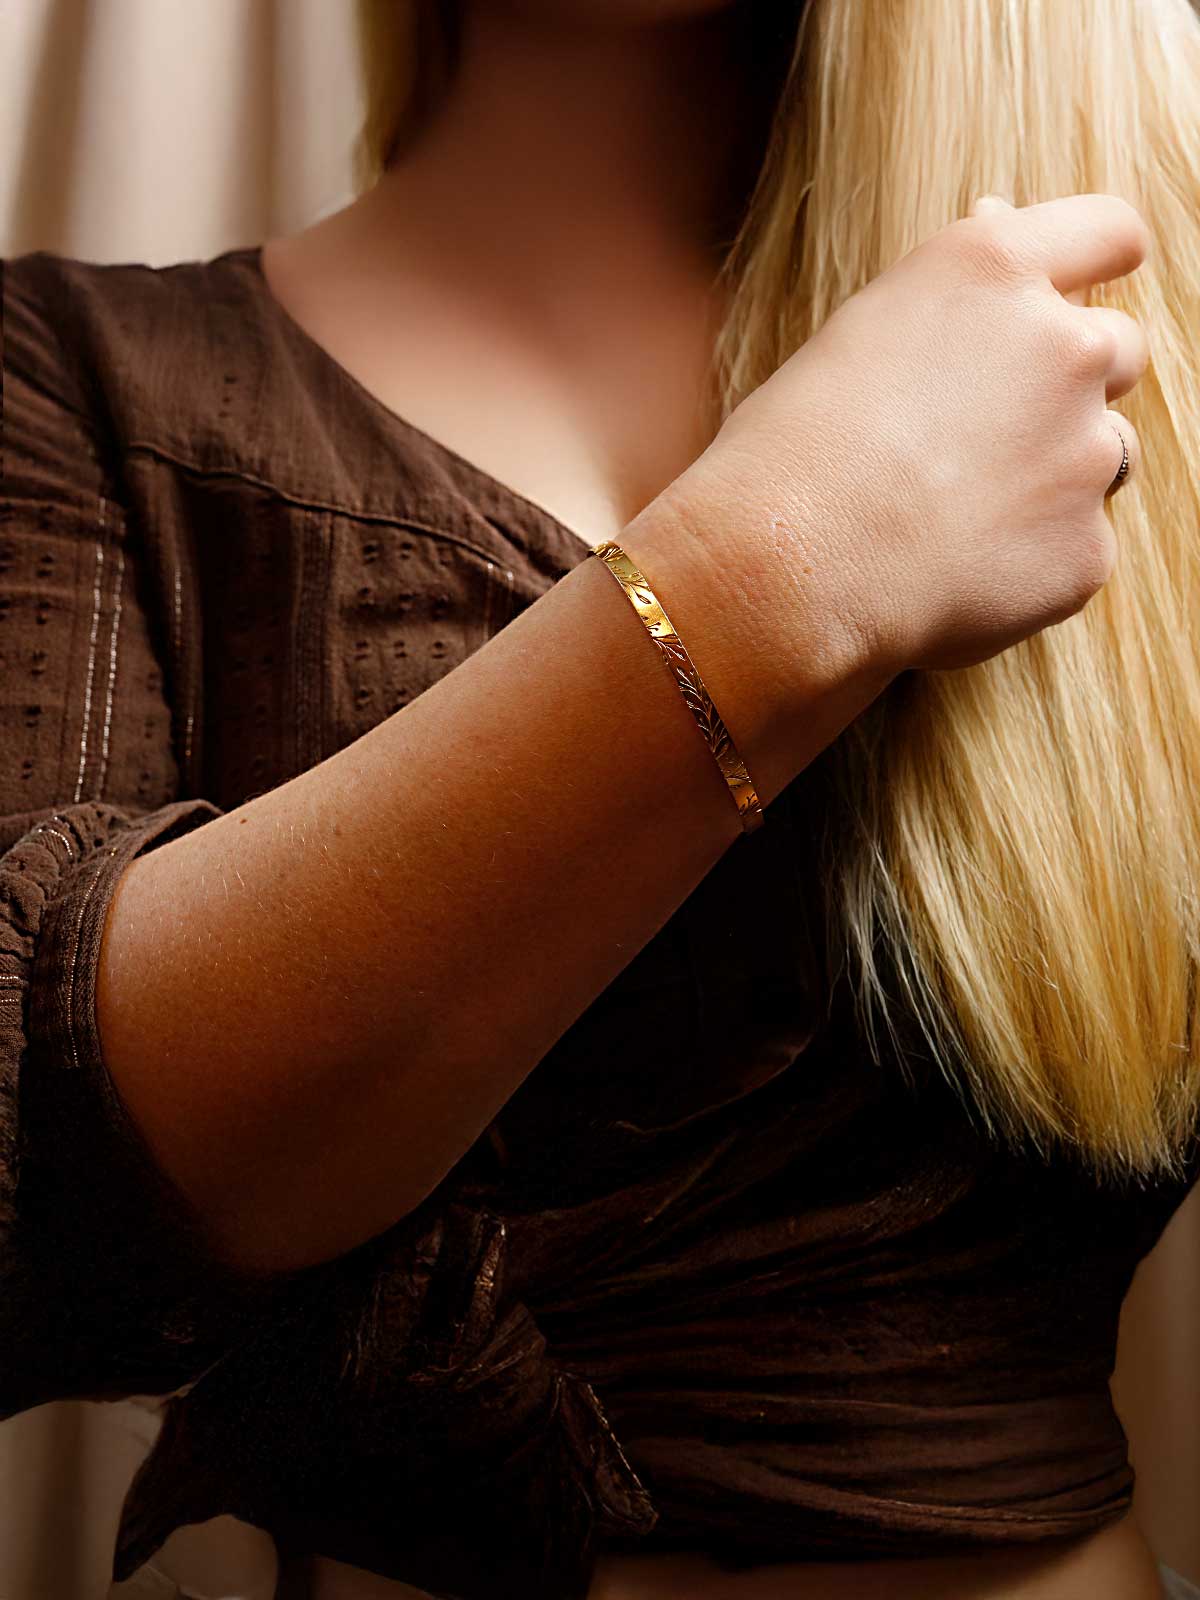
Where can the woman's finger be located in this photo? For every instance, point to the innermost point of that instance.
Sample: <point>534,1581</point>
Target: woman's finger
<point>1081,239</point>
<point>1130,350</point>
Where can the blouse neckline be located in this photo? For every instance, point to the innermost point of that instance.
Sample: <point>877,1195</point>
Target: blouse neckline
<point>473,477</point>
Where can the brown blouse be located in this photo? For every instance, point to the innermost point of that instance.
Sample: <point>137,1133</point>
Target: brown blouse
<point>715,1279</point>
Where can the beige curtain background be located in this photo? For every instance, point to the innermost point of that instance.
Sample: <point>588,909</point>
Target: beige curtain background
<point>170,130</point>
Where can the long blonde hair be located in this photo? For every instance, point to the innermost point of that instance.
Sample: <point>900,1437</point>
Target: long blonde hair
<point>1018,842</point>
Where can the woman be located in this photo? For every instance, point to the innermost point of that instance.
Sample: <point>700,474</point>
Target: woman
<point>335,724</point>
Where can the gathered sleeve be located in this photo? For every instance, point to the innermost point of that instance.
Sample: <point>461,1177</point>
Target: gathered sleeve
<point>397,1406</point>
<point>107,1288</point>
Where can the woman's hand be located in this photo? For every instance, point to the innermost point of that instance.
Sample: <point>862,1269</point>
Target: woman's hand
<point>925,479</point>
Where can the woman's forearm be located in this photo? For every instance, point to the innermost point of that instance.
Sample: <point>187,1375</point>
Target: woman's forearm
<point>314,1004</point>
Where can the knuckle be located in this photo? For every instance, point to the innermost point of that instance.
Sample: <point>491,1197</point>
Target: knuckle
<point>1089,345</point>
<point>1086,566</point>
<point>1107,451</point>
<point>987,248</point>
<point>1095,560</point>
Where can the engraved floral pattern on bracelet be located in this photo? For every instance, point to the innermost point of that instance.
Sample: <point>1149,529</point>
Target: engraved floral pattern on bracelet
<point>691,686</point>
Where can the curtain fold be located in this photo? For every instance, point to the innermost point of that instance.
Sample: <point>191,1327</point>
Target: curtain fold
<point>163,130</point>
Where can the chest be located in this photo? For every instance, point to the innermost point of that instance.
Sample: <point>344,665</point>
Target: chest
<point>588,409</point>
<point>593,442</point>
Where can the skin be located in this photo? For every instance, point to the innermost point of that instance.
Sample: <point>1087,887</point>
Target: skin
<point>475,256</point>
<point>582,326</point>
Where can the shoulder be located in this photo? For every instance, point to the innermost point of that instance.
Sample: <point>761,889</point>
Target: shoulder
<point>104,295</point>
<point>116,340</point>
<point>195,368</point>
<point>189,366</point>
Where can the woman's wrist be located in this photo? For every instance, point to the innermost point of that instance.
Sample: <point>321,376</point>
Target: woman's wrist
<point>784,671</point>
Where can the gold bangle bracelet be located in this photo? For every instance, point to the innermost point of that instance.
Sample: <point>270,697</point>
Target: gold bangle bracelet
<point>682,669</point>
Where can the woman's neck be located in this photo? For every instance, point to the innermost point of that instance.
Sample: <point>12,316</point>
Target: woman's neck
<point>568,150</point>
